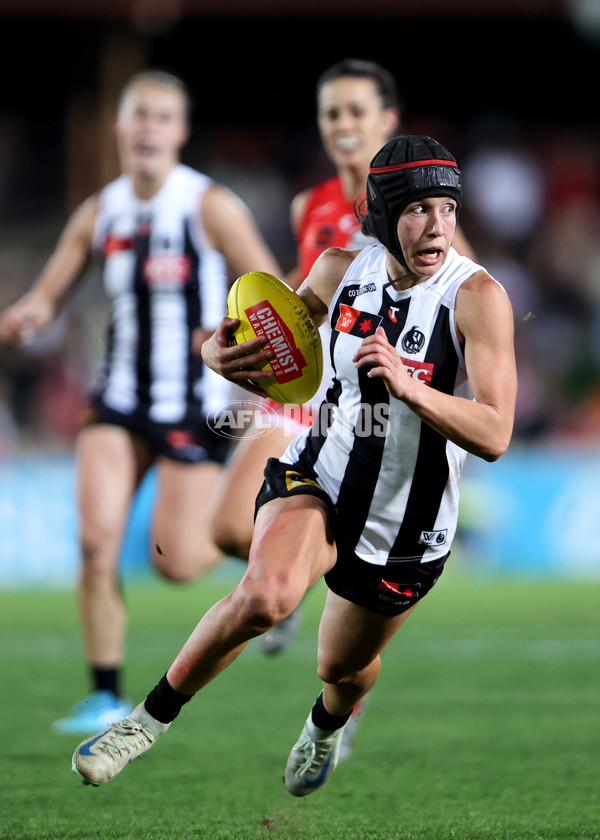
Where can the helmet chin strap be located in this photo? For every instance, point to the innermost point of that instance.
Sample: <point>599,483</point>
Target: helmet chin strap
<point>398,279</point>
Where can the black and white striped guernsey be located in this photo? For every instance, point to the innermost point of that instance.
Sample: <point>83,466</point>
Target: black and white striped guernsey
<point>392,478</point>
<point>163,279</point>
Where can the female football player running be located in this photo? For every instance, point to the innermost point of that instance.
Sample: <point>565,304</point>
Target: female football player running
<point>358,110</point>
<point>167,237</point>
<point>422,342</point>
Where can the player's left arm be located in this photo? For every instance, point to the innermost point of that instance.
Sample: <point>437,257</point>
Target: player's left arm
<point>232,230</point>
<point>484,322</point>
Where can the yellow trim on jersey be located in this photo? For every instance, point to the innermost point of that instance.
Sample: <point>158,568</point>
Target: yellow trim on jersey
<point>295,479</point>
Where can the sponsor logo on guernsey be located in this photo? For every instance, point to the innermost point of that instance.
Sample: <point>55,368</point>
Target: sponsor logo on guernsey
<point>347,223</point>
<point>167,270</point>
<point>392,313</point>
<point>355,322</point>
<point>433,538</point>
<point>362,290</point>
<point>421,371</point>
<point>289,361</point>
<point>113,244</point>
<point>322,235</point>
<point>329,207</point>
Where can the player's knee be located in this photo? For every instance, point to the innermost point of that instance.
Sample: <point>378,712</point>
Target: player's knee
<point>181,566</point>
<point>261,610</point>
<point>96,541</point>
<point>334,674</point>
<point>174,574</point>
<point>357,674</point>
<point>338,672</point>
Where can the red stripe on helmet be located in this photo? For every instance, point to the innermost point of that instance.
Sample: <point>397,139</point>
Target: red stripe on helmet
<point>376,170</point>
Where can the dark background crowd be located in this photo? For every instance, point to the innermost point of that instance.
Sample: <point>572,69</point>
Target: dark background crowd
<point>509,87</point>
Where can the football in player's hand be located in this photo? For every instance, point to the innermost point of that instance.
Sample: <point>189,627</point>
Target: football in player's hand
<point>266,306</point>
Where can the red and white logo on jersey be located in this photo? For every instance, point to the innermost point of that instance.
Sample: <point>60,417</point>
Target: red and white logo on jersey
<point>113,244</point>
<point>170,270</point>
<point>421,371</point>
<point>347,223</point>
<point>357,322</point>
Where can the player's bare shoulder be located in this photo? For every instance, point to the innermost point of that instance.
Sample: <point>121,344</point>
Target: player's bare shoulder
<point>83,219</point>
<point>484,287</point>
<point>481,300</point>
<point>327,273</point>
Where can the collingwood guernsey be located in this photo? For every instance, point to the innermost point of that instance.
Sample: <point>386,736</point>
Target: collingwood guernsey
<point>391,477</point>
<point>163,279</point>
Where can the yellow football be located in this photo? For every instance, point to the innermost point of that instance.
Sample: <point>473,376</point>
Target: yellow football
<point>266,306</point>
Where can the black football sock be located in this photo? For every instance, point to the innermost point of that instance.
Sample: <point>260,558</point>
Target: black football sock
<point>322,718</point>
<point>164,703</point>
<point>106,679</point>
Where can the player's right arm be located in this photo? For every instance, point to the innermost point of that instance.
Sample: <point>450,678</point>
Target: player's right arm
<point>33,312</point>
<point>237,362</point>
<point>323,279</point>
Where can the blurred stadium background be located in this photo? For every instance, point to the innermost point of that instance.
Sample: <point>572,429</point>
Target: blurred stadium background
<point>506,84</point>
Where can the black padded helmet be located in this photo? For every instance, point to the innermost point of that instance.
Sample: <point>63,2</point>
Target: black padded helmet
<point>407,168</point>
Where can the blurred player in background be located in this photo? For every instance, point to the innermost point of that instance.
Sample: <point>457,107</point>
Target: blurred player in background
<point>168,238</point>
<point>423,349</point>
<point>358,110</point>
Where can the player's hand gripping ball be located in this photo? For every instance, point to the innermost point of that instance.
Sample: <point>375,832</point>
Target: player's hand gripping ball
<point>265,306</point>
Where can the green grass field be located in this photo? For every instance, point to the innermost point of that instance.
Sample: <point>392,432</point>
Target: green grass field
<point>484,724</point>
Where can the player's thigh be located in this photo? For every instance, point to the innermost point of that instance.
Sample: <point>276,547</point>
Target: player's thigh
<point>350,636</point>
<point>110,464</point>
<point>181,513</point>
<point>293,545</point>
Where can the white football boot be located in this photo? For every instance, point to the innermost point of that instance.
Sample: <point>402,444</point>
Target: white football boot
<point>313,758</point>
<point>100,758</point>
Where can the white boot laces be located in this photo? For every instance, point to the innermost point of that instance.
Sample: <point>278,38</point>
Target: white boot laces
<point>127,736</point>
<point>312,750</point>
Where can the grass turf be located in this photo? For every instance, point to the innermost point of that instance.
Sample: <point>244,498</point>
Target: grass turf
<point>484,724</point>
